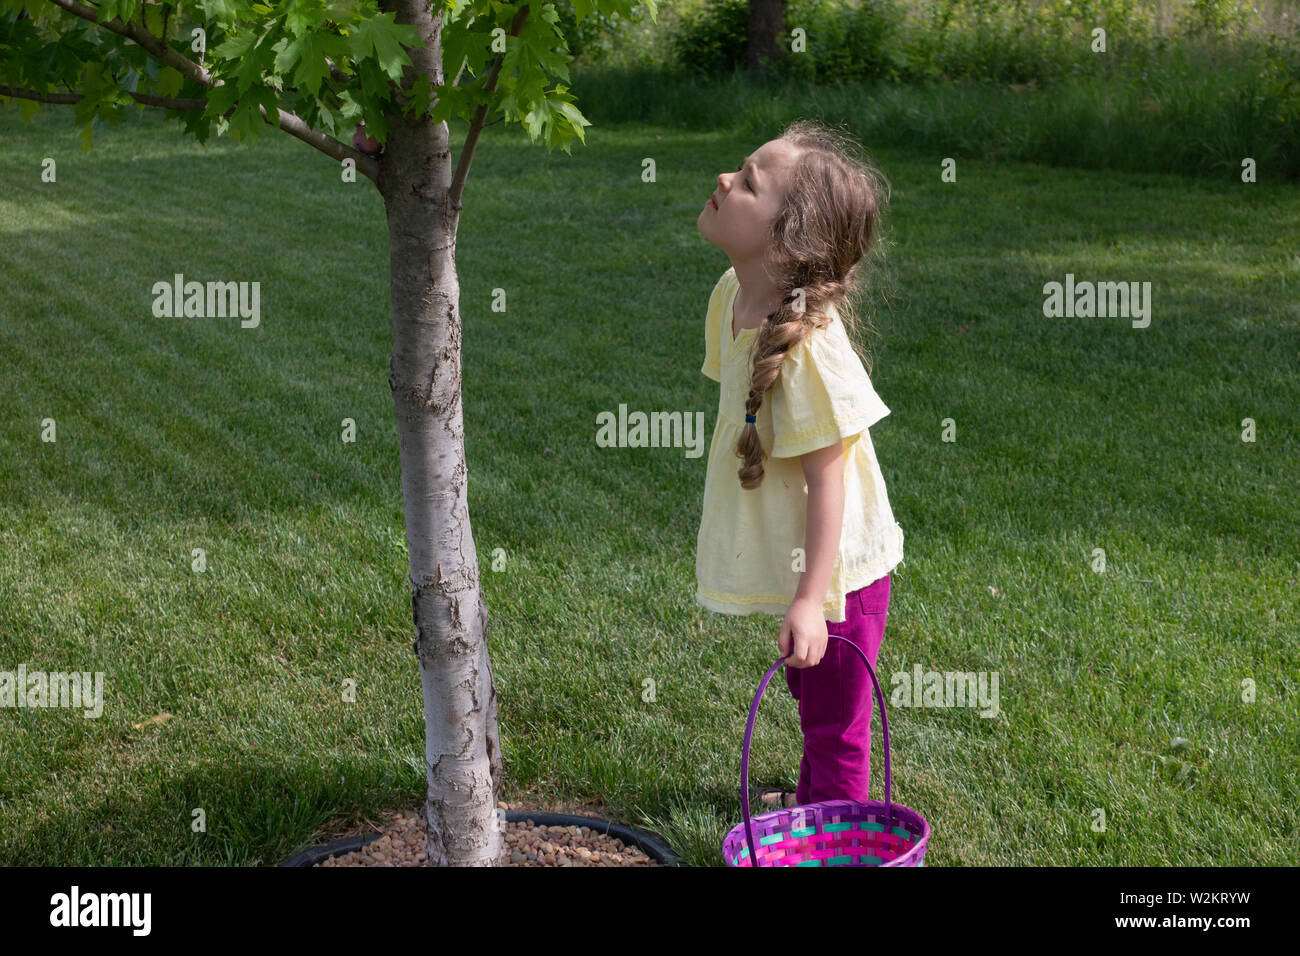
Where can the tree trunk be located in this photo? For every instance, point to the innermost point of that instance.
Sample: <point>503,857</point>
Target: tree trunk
<point>766,35</point>
<point>462,750</point>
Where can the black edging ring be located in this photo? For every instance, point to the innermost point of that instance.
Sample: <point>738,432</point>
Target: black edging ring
<point>653,847</point>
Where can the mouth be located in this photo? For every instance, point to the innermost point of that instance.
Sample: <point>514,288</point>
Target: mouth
<point>713,202</point>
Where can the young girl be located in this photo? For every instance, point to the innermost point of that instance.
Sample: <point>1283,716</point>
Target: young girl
<point>804,527</point>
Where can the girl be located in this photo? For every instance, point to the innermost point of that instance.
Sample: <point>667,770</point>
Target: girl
<point>804,527</point>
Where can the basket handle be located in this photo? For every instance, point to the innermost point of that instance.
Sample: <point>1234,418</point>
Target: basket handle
<point>749,731</point>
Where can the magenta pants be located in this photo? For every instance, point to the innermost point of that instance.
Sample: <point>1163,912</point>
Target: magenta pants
<point>835,701</point>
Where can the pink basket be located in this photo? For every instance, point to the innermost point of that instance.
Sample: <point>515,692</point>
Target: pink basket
<point>833,832</point>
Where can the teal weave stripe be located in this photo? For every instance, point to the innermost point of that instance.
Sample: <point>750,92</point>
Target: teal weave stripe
<point>836,860</point>
<point>803,832</point>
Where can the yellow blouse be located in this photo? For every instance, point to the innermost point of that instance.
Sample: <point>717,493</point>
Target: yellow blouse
<point>745,560</point>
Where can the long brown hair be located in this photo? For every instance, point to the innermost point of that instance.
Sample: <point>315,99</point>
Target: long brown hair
<point>829,222</point>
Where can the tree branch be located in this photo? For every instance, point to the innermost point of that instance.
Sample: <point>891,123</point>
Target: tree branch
<point>337,75</point>
<point>138,34</point>
<point>160,48</point>
<point>476,122</point>
<point>294,125</point>
<point>67,99</point>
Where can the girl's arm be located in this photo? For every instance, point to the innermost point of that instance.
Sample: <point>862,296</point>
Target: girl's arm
<point>824,471</point>
<point>803,632</point>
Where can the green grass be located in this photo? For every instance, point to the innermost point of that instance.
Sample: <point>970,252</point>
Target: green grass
<point>1185,122</point>
<point>1072,435</point>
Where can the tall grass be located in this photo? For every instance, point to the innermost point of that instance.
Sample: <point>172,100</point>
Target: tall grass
<point>1198,125</point>
<point>1192,88</point>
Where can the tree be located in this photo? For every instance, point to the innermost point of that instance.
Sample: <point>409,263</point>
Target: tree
<point>316,69</point>
<point>766,24</point>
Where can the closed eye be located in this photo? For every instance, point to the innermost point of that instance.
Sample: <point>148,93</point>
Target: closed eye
<point>747,185</point>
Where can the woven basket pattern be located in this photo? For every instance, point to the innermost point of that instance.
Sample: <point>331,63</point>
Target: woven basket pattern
<point>832,832</point>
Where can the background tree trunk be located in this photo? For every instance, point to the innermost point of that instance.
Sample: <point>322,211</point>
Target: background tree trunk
<point>766,34</point>
<point>462,750</point>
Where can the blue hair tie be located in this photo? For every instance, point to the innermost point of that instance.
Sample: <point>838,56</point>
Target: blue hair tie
<point>750,418</point>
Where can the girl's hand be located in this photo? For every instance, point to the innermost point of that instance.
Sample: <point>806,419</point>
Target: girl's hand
<point>805,627</point>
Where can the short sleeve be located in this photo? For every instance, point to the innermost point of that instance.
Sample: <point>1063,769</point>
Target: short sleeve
<point>821,394</point>
<point>712,367</point>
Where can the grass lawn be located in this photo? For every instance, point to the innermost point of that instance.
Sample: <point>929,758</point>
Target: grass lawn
<point>1125,691</point>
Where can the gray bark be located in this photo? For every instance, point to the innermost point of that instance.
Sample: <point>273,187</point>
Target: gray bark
<point>462,748</point>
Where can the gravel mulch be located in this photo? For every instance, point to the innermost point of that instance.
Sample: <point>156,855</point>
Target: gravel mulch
<point>526,844</point>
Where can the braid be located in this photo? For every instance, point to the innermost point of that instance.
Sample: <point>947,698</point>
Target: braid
<point>781,331</point>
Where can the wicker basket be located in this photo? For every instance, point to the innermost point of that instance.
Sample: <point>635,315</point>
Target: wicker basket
<point>833,832</point>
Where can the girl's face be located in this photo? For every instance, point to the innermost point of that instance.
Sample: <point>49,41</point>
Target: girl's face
<point>747,201</point>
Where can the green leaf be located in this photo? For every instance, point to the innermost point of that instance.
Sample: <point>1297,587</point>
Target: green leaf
<point>223,13</point>
<point>350,111</point>
<point>373,80</point>
<point>576,120</point>
<point>246,121</point>
<point>326,119</point>
<point>287,52</point>
<point>271,103</point>
<point>232,48</point>
<point>196,124</point>
<point>377,126</point>
<point>453,101</point>
<point>471,47</point>
<point>262,57</point>
<point>384,39</point>
<point>312,68</point>
<point>537,119</point>
<point>301,17</point>
<point>421,96</point>
<point>220,99</point>
<point>153,19</point>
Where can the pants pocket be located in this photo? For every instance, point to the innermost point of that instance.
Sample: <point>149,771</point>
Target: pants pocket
<point>874,598</point>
